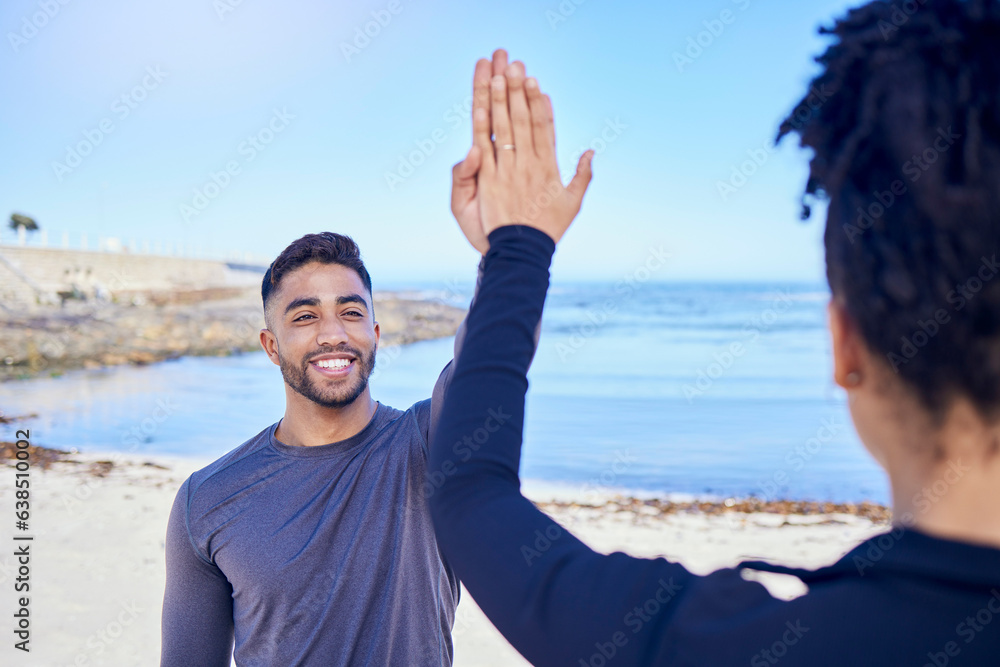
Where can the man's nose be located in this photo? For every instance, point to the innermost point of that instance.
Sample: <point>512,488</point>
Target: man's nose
<point>331,333</point>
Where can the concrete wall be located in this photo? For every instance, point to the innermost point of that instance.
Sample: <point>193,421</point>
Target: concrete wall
<point>15,290</point>
<point>28,274</point>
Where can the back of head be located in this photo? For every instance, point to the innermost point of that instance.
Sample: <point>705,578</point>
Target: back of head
<point>905,125</point>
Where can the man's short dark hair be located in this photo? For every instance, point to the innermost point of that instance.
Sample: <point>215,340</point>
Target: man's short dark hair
<point>326,248</point>
<point>905,124</point>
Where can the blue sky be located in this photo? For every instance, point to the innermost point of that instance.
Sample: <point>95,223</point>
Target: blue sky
<point>309,120</point>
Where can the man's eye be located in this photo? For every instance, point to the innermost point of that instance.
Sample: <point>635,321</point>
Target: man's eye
<point>300,317</point>
<point>354,312</point>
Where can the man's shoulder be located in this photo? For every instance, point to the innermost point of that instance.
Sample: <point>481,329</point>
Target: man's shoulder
<point>234,456</point>
<point>416,417</point>
<point>421,412</point>
<point>422,409</point>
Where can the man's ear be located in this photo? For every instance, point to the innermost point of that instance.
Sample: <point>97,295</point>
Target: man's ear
<point>270,345</point>
<point>848,348</point>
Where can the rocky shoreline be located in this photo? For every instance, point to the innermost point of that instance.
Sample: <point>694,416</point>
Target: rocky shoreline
<point>657,507</point>
<point>220,322</point>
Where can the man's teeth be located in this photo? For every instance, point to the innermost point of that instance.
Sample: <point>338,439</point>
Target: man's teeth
<point>334,363</point>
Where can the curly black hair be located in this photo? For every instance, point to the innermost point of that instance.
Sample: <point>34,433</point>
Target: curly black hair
<point>904,122</point>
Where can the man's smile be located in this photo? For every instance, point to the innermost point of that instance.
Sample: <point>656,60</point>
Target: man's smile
<point>333,365</point>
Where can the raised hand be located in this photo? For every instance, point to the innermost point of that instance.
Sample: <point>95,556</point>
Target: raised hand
<point>464,190</point>
<point>494,186</point>
<point>519,180</point>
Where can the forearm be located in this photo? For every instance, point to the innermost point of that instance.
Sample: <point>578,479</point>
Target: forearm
<point>524,570</point>
<point>444,379</point>
<point>460,334</point>
<point>489,376</point>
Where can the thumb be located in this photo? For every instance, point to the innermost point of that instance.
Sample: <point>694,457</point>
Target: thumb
<point>581,180</point>
<point>463,180</point>
<point>468,167</point>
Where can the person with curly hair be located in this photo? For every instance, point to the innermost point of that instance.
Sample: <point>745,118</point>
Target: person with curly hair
<point>906,145</point>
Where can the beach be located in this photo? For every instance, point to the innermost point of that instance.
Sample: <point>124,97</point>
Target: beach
<point>99,520</point>
<point>762,464</point>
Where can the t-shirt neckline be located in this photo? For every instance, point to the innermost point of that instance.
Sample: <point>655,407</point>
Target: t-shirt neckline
<point>339,448</point>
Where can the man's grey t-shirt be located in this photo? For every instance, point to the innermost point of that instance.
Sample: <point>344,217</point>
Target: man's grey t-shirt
<point>316,555</point>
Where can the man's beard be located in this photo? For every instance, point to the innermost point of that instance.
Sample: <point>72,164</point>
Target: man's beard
<point>338,395</point>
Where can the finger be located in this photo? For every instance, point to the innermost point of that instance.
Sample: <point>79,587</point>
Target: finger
<point>581,180</point>
<point>465,172</point>
<point>482,132</point>
<point>499,66</point>
<point>499,62</point>
<point>542,126</point>
<point>463,179</point>
<point>501,124</point>
<point>520,116</point>
<point>548,105</point>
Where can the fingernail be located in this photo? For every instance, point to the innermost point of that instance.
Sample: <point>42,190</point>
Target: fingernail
<point>531,83</point>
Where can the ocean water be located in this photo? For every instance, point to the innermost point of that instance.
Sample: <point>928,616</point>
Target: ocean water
<point>705,390</point>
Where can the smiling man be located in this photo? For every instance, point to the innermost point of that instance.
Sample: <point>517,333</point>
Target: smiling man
<point>325,315</point>
<point>312,543</point>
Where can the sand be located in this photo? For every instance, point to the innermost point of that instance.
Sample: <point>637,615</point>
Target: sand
<point>97,559</point>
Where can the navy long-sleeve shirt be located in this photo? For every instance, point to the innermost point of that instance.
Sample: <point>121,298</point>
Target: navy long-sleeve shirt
<point>901,598</point>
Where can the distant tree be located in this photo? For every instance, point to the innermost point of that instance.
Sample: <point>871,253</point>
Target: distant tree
<point>18,220</point>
